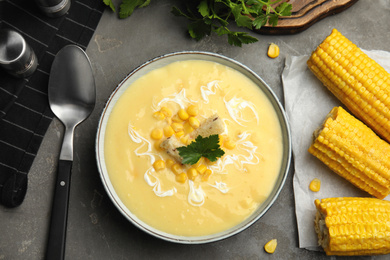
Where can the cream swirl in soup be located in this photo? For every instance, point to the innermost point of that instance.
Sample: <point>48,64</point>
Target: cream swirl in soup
<point>207,197</point>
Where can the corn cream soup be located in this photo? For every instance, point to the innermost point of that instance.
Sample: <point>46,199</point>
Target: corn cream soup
<point>208,197</point>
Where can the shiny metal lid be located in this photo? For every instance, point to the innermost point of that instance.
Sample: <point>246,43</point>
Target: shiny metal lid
<point>16,56</point>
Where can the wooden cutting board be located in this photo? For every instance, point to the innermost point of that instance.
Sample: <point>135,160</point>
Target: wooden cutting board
<point>304,14</point>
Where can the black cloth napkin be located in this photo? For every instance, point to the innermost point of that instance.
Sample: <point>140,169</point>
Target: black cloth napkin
<point>24,109</point>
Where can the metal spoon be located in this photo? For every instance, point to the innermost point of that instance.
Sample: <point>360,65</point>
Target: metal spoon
<point>72,98</point>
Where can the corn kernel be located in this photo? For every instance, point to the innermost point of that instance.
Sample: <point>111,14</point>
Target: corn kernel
<point>176,169</point>
<point>315,185</point>
<point>168,120</point>
<point>157,144</point>
<point>177,119</point>
<point>270,246</point>
<point>184,139</point>
<point>273,50</point>
<point>192,173</point>
<point>188,128</point>
<point>220,140</point>
<point>169,163</point>
<point>201,169</point>
<point>182,177</point>
<point>206,175</point>
<point>179,134</point>
<point>192,110</point>
<point>157,134</point>
<point>159,115</point>
<point>194,122</point>
<point>183,114</point>
<point>199,162</point>
<point>177,127</point>
<point>168,131</point>
<point>228,144</point>
<point>159,165</point>
<point>166,111</point>
<point>207,161</point>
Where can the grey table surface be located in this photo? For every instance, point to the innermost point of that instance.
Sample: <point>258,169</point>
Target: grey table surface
<point>96,229</point>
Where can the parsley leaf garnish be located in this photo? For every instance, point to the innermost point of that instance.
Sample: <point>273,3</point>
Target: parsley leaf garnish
<point>207,147</point>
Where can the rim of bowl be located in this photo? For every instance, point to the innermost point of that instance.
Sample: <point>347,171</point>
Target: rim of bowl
<point>161,61</point>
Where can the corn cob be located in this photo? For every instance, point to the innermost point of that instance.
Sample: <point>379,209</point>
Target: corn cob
<point>360,83</point>
<point>353,226</point>
<point>353,151</point>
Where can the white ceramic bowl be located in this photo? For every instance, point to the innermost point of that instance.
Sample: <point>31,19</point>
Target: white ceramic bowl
<point>161,62</point>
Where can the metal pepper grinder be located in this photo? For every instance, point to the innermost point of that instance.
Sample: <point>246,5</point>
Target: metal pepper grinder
<point>53,8</point>
<point>16,56</point>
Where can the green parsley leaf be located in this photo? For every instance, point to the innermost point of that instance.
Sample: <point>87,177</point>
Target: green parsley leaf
<point>127,7</point>
<point>203,8</point>
<point>202,147</point>
<point>242,20</point>
<point>284,9</point>
<point>177,12</point>
<point>260,21</point>
<point>255,7</point>
<point>238,38</point>
<point>222,31</point>
<point>110,4</point>
<point>199,29</point>
<point>146,3</point>
<point>273,19</point>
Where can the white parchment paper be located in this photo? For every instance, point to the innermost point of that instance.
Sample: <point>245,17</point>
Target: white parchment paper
<point>307,102</point>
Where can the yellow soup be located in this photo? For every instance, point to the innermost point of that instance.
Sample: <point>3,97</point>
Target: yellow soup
<point>212,196</point>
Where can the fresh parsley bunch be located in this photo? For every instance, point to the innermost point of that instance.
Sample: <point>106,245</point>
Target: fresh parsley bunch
<point>207,16</point>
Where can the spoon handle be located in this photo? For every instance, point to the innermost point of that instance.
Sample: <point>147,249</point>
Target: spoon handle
<point>59,215</point>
